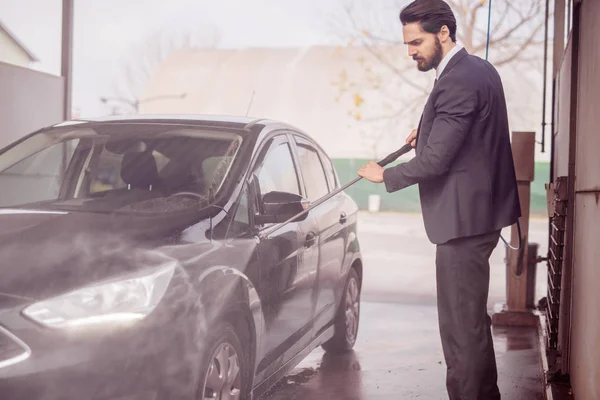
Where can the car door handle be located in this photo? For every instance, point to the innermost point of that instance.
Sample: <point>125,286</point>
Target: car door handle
<point>343,218</point>
<point>310,239</point>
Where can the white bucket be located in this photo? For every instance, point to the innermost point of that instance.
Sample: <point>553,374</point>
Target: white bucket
<point>374,202</point>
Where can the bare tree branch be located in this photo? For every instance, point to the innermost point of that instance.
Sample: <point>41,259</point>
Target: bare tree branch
<point>502,19</point>
<point>515,29</point>
<point>474,13</point>
<point>517,54</point>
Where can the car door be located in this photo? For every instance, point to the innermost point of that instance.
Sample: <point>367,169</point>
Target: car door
<point>331,219</point>
<point>289,261</point>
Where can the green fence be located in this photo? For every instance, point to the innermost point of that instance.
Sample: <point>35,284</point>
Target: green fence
<point>407,200</point>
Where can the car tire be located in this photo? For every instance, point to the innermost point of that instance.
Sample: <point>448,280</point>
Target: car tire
<point>225,366</point>
<point>347,317</point>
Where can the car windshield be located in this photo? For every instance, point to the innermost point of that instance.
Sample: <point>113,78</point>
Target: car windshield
<point>117,167</point>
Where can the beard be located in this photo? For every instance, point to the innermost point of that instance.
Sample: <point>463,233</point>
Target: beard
<point>426,64</point>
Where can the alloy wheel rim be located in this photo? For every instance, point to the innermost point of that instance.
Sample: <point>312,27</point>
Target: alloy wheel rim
<point>223,380</point>
<point>352,310</point>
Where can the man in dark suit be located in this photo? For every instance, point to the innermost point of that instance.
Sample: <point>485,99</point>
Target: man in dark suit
<point>464,168</point>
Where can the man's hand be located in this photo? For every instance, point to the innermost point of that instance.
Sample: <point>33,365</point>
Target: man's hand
<point>372,172</point>
<point>412,138</point>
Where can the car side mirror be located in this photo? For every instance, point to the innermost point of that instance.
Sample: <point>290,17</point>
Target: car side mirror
<point>281,206</point>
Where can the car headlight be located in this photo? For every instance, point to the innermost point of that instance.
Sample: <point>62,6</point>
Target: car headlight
<point>117,301</point>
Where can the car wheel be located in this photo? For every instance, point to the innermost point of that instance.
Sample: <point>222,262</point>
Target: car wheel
<point>347,318</point>
<point>225,367</point>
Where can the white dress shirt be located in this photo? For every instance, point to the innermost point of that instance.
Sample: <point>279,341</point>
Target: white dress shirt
<point>446,60</point>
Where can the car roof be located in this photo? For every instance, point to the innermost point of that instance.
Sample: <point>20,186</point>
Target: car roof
<point>223,121</point>
<point>175,118</point>
<point>241,123</point>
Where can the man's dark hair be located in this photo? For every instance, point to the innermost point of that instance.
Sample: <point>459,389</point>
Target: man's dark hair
<point>431,14</point>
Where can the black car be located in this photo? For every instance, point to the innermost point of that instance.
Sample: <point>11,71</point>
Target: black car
<point>134,262</point>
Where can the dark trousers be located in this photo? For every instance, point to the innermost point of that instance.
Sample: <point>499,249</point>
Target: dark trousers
<point>463,277</point>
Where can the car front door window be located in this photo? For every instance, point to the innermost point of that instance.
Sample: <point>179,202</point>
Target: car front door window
<point>277,172</point>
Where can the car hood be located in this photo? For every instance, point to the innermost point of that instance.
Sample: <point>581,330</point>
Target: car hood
<point>45,253</point>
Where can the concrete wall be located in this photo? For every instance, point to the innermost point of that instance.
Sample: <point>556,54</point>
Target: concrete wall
<point>29,100</point>
<point>11,52</point>
<point>585,339</point>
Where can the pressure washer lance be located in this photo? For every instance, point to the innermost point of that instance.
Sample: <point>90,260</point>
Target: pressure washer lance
<point>389,159</point>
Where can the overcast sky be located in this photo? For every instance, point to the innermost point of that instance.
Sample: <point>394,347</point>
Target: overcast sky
<point>105,30</point>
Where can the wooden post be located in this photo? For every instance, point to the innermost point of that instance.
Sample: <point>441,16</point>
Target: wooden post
<point>523,145</point>
<point>516,312</point>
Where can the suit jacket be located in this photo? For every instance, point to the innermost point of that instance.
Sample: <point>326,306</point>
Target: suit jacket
<point>463,163</point>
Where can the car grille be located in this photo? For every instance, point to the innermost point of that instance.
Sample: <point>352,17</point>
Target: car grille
<point>12,350</point>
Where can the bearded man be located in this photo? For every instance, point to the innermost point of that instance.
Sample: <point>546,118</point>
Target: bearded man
<point>464,169</point>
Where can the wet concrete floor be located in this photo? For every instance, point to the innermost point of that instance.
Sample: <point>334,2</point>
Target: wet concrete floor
<point>398,356</point>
